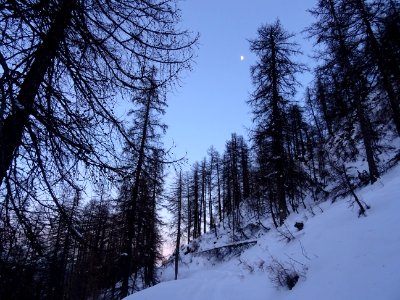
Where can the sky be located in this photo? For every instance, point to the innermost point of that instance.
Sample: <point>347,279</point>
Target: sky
<point>211,104</point>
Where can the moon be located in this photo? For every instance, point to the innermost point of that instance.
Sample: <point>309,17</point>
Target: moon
<point>241,57</point>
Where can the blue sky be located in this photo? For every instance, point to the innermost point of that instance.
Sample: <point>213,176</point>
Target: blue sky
<point>211,102</point>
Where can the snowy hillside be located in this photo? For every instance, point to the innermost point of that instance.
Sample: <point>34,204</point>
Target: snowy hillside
<point>337,255</point>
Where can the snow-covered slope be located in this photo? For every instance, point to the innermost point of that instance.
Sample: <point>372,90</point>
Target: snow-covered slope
<point>338,256</point>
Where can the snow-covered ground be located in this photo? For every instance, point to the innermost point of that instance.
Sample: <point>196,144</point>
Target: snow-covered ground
<point>339,256</point>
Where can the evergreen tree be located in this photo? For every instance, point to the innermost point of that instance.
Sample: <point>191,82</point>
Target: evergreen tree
<point>274,80</point>
<point>343,64</point>
<point>362,15</point>
<point>174,206</point>
<point>215,180</point>
<point>140,187</point>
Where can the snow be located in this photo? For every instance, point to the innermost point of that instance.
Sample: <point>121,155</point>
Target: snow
<point>342,256</point>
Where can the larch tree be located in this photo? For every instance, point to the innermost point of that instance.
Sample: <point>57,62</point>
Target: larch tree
<point>144,160</point>
<point>365,18</point>
<point>274,82</point>
<point>175,208</point>
<point>64,68</point>
<point>195,207</point>
<point>389,39</point>
<point>215,180</point>
<point>343,64</point>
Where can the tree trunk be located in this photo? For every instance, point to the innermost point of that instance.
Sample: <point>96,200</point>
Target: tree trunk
<point>203,195</point>
<point>366,132</point>
<point>178,235</point>
<point>189,212</point>
<point>277,141</point>
<point>219,194</point>
<point>128,255</point>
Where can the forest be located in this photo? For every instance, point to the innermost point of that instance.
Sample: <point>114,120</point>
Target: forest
<point>68,66</point>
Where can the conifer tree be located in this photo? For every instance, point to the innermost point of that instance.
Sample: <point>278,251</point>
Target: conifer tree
<point>64,66</point>
<point>274,83</point>
<point>362,16</point>
<point>141,185</point>
<point>343,64</point>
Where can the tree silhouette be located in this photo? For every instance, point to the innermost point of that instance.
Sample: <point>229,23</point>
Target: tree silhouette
<point>274,81</point>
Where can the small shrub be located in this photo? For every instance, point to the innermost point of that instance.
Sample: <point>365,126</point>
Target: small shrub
<point>251,268</point>
<point>285,233</point>
<point>261,265</point>
<point>284,274</point>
